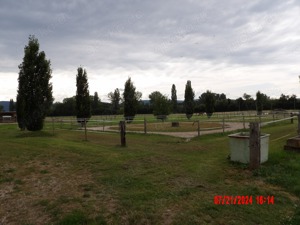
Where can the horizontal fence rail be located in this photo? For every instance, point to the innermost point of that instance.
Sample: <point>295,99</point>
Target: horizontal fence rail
<point>172,124</point>
<point>276,121</point>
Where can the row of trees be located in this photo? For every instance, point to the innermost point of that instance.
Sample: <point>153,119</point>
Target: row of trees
<point>161,106</point>
<point>128,103</point>
<point>34,97</point>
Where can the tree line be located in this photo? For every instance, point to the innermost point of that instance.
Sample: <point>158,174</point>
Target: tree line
<point>160,104</point>
<point>35,100</point>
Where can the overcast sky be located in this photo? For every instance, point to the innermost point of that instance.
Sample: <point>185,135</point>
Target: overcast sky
<point>232,47</point>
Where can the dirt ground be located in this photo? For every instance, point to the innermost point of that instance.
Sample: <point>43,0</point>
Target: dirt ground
<point>228,127</point>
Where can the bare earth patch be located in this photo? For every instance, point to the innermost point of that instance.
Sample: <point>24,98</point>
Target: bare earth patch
<point>138,128</point>
<point>42,190</point>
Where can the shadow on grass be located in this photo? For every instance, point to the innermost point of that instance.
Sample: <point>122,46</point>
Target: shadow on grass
<point>78,217</point>
<point>238,165</point>
<point>28,134</point>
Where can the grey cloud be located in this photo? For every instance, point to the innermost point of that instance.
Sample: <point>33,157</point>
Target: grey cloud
<point>147,35</point>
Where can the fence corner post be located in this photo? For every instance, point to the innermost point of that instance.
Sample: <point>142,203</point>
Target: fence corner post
<point>254,145</point>
<point>298,131</point>
<point>123,133</point>
<point>52,126</point>
<point>85,131</point>
<point>292,118</point>
<point>145,125</point>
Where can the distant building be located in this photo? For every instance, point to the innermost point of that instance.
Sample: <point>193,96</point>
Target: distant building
<point>8,117</point>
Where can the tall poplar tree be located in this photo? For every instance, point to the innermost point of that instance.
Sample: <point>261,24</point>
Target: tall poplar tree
<point>11,105</point>
<point>115,99</point>
<point>131,99</point>
<point>174,98</point>
<point>189,103</point>
<point>34,96</point>
<point>96,104</point>
<point>83,101</point>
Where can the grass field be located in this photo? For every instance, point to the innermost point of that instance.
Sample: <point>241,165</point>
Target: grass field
<point>61,179</point>
<point>155,125</point>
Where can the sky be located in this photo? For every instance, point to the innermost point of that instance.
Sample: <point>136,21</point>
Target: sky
<point>231,47</point>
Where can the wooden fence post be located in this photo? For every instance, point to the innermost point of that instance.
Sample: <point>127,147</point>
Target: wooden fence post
<point>254,145</point>
<point>145,125</point>
<point>85,132</point>
<point>198,128</point>
<point>52,126</point>
<point>244,125</point>
<point>223,125</point>
<point>123,133</point>
<point>298,124</point>
<point>292,118</point>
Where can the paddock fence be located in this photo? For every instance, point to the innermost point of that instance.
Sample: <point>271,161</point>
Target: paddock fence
<point>172,124</point>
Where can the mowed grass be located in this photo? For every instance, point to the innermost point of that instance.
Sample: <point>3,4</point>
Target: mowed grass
<point>155,125</point>
<point>62,179</point>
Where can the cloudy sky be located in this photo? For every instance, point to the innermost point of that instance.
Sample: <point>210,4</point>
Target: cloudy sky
<point>232,47</point>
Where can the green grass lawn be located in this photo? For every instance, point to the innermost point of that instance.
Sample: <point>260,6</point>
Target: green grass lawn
<point>62,179</point>
<point>155,125</point>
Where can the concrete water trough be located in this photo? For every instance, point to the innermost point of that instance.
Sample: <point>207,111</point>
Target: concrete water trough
<point>239,147</point>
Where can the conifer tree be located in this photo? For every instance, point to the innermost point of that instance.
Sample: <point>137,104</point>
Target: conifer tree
<point>83,101</point>
<point>115,99</point>
<point>34,96</point>
<point>189,100</point>
<point>174,98</point>
<point>131,99</point>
